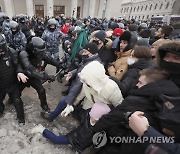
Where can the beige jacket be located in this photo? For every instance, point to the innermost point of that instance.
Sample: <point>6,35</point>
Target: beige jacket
<point>120,66</point>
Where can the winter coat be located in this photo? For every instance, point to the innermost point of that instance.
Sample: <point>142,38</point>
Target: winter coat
<point>17,41</point>
<point>52,40</point>
<point>65,29</point>
<point>9,68</point>
<point>169,147</point>
<point>76,84</point>
<point>30,63</point>
<point>105,53</point>
<point>81,137</point>
<point>142,99</point>
<point>120,66</point>
<point>97,86</point>
<point>130,78</point>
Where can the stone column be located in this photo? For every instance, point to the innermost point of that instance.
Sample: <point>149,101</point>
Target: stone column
<point>74,8</point>
<point>92,5</point>
<point>30,8</point>
<point>108,8</point>
<point>102,4</point>
<point>85,9</point>
<point>9,8</point>
<point>50,8</point>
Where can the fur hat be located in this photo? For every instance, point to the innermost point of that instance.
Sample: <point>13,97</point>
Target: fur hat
<point>126,36</point>
<point>170,46</point>
<point>91,47</point>
<point>98,110</point>
<point>100,35</point>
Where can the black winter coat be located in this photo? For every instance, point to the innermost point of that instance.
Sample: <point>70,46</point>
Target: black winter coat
<point>142,99</point>
<point>81,137</point>
<point>130,78</point>
<point>30,64</point>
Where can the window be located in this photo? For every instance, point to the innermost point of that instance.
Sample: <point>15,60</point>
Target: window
<point>146,7</point>
<point>58,10</point>
<point>147,16</point>
<point>131,10</point>
<point>155,7</point>
<point>150,7</point>
<point>122,10</point>
<point>141,8</point>
<point>137,8</point>
<point>134,9</point>
<point>127,10</point>
<point>0,9</point>
<point>161,6</point>
<point>39,10</point>
<point>167,5</point>
<point>39,7</point>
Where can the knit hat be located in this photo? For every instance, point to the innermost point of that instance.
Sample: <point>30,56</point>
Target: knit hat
<point>98,110</point>
<point>91,47</point>
<point>121,25</point>
<point>126,36</point>
<point>100,35</point>
<point>145,33</point>
<point>143,42</point>
<point>143,25</point>
<point>118,32</point>
<point>113,25</point>
<point>132,27</point>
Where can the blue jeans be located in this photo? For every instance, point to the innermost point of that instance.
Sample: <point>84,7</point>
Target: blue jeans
<point>61,105</point>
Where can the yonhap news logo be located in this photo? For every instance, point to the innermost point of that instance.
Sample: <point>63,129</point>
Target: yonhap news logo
<point>99,139</point>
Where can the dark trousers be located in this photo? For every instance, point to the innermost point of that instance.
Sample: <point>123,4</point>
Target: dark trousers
<point>37,85</point>
<point>14,95</point>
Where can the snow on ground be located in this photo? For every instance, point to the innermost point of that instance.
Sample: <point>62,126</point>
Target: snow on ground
<point>15,139</point>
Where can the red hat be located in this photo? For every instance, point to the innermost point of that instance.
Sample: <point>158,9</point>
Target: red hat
<point>118,32</point>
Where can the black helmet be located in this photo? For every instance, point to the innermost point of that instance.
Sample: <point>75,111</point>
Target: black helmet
<point>38,45</point>
<point>3,45</point>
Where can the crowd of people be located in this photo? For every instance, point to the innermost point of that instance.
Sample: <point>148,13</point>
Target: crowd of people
<point>123,77</point>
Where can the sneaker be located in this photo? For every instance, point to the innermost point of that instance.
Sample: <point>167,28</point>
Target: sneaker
<point>45,116</point>
<point>46,108</point>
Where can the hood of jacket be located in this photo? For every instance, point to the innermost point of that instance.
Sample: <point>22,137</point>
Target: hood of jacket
<point>94,76</point>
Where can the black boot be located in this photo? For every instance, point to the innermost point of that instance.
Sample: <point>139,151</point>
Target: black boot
<point>18,104</point>
<point>45,108</point>
<point>1,109</point>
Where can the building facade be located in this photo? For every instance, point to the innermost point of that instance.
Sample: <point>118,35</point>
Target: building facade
<point>145,9</point>
<point>138,9</point>
<point>75,8</point>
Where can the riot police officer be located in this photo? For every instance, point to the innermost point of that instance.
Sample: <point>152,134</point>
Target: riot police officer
<point>16,38</point>
<point>31,60</point>
<point>10,73</point>
<point>52,37</point>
